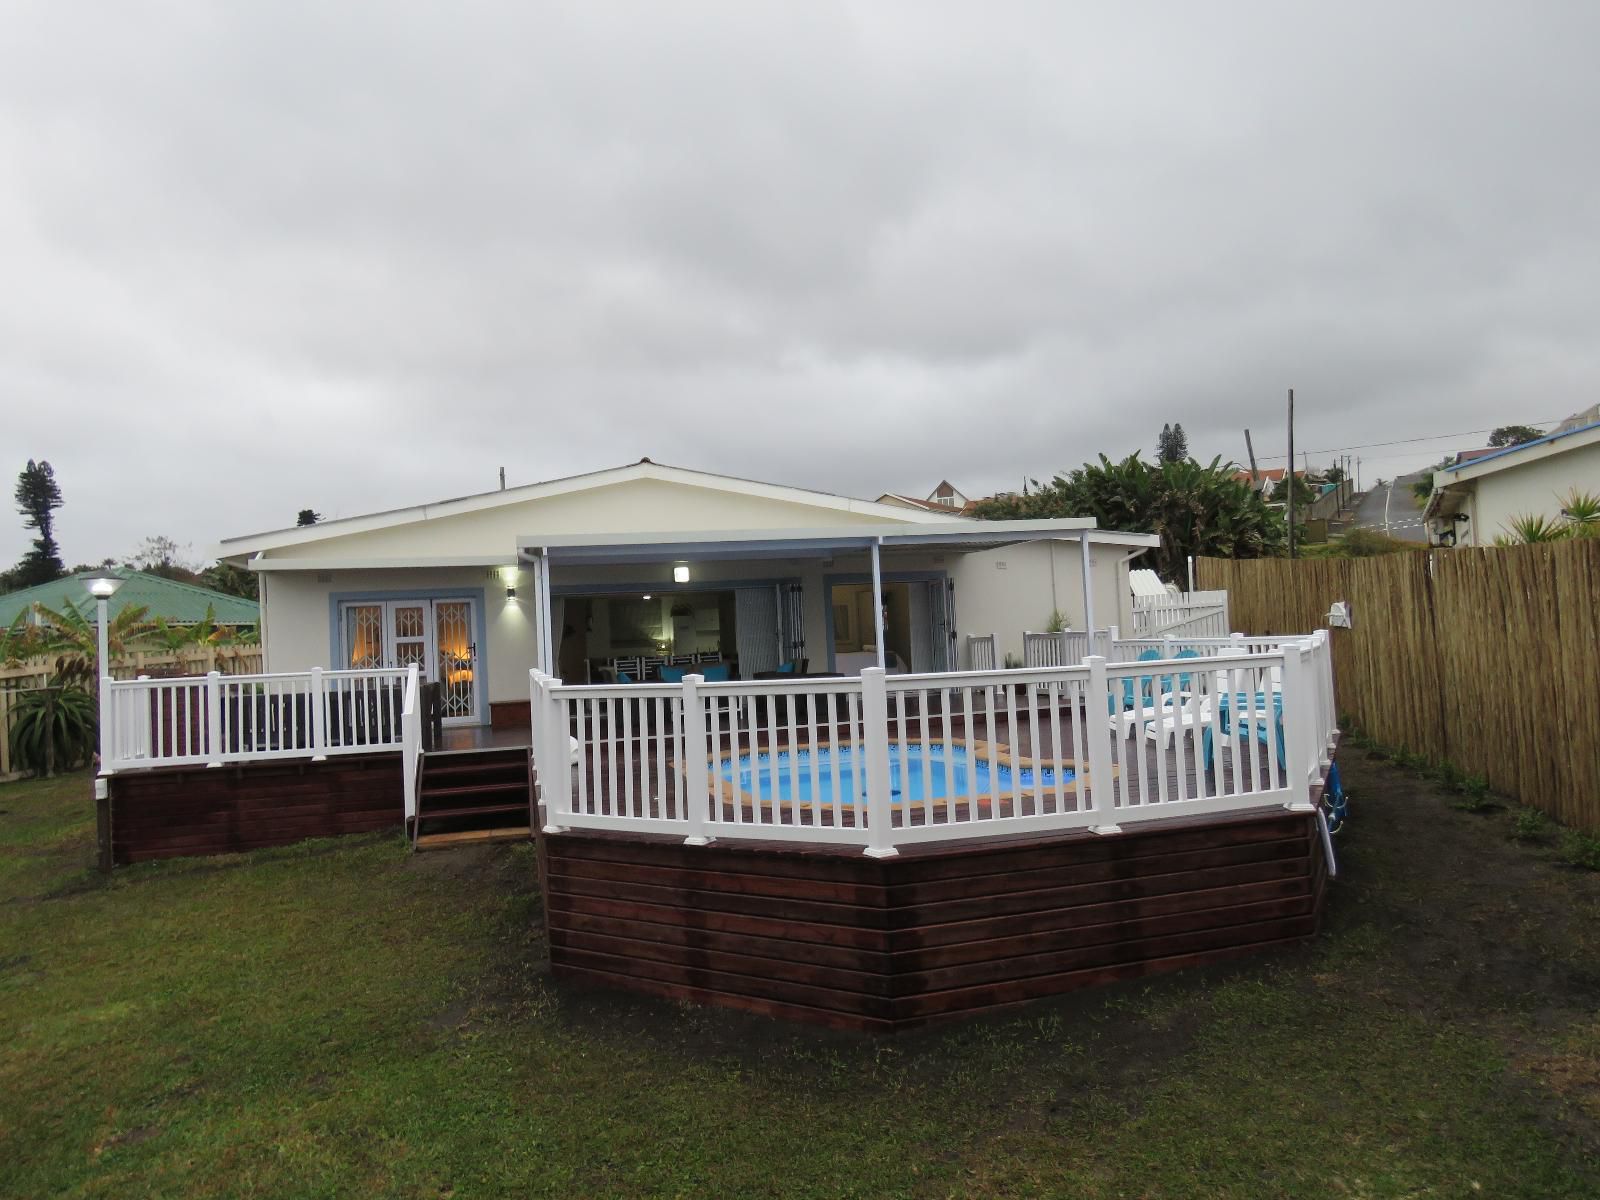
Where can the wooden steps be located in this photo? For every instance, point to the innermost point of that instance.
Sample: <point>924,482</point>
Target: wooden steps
<point>470,797</point>
<point>473,837</point>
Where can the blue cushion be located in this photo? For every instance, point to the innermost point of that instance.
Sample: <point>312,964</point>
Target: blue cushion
<point>624,677</point>
<point>673,674</point>
<point>716,674</point>
<point>786,668</point>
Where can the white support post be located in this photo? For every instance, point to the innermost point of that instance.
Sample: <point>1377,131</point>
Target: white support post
<point>1088,586</point>
<point>541,614</point>
<point>1296,714</point>
<point>875,741</point>
<point>1097,730</point>
<point>555,761</point>
<point>102,639</point>
<point>696,762</point>
<point>877,601</point>
<point>213,718</point>
<point>319,717</point>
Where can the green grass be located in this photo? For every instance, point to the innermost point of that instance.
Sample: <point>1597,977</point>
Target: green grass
<point>343,1018</point>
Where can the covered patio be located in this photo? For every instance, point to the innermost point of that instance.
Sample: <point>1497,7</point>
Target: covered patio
<point>821,601</point>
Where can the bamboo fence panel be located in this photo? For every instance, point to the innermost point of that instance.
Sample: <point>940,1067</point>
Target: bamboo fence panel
<point>1486,658</point>
<point>1385,676</point>
<point>1521,658</point>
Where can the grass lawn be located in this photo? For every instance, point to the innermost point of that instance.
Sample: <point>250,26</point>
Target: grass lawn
<point>343,1018</point>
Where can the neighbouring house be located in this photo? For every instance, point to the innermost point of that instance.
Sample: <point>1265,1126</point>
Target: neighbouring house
<point>1474,500</point>
<point>945,498</point>
<point>615,574</point>
<point>176,603</point>
<point>1264,480</point>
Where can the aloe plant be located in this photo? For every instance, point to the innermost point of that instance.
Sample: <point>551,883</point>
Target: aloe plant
<point>1580,518</point>
<point>53,729</point>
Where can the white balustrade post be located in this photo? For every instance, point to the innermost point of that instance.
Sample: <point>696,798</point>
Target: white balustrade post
<point>1097,731</point>
<point>102,631</point>
<point>213,718</point>
<point>696,762</point>
<point>875,742</point>
<point>319,716</point>
<point>1297,706</point>
<point>146,734</point>
<point>553,756</point>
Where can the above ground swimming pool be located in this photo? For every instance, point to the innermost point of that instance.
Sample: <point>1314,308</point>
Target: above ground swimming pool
<point>917,772</point>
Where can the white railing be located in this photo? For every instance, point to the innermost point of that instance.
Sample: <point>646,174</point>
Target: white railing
<point>411,738</point>
<point>1196,614</point>
<point>214,719</point>
<point>981,652</point>
<point>886,761</point>
<point>1066,647</point>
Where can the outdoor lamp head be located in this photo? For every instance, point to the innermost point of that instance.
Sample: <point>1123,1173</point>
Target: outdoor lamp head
<point>103,587</point>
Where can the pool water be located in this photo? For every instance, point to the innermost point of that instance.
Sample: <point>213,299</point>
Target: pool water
<point>916,772</point>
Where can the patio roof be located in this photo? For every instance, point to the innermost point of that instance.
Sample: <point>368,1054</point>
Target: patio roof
<point>952,537</point>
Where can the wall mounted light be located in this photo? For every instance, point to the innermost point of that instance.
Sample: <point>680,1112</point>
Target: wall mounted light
<point>511,591</point>
<point>680,573</point>
<point>646,596</point>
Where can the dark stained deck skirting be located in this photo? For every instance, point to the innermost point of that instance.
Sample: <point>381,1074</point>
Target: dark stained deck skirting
<point>180,811</point>
<point>827,935</point>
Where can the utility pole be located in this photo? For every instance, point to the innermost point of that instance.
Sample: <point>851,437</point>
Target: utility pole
<point>1289,474</point>
<point>1251,451</point>
<point>1358,472</point>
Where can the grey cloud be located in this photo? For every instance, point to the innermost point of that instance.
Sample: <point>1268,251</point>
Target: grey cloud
<point>268,256</point>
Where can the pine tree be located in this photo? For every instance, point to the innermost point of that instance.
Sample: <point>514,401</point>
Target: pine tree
<point>38,496</point>
<point>1173,445</point>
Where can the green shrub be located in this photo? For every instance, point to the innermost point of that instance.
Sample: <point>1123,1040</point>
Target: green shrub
<point>1530,825</point>
<point>53,729</point>
<point>1580,850</point>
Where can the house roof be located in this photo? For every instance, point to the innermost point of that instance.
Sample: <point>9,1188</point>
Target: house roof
<point>1511,456</point>
<point>1452,484</point>
<point>1264,475</point>
<point>174,602</point>
<point>821,542</point>
<point>933,506</point>
<point>242,547</point>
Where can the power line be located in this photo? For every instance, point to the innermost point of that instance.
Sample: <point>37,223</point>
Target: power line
<point>1432,437</point>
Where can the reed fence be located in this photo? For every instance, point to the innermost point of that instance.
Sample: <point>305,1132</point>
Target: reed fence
<point>1486,658</point>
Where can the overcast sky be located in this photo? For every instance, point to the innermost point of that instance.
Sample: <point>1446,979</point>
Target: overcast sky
<point>265,256</point>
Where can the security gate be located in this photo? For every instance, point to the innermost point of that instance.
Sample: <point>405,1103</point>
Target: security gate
<point>437,635</point>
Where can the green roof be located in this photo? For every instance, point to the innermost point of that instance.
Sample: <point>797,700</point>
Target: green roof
<point>174,602</point>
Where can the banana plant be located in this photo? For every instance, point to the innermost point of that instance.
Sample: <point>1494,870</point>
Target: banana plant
<point>71,634</point>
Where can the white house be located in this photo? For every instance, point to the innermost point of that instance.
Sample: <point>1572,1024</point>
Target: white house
<point>1475,500</point>
<point>621,571</point>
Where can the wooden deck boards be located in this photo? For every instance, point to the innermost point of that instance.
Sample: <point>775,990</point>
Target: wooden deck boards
<point>814,934</point>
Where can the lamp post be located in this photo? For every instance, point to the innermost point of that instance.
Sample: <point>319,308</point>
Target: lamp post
<point>102,588</point>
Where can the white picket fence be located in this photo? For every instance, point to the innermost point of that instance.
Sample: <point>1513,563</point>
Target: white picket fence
<point>841,760</point>
<point>1193,614</point>
<point>1066,647</point>
<point>981,652</point>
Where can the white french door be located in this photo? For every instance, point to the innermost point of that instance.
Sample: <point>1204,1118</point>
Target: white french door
<point>437,635</point>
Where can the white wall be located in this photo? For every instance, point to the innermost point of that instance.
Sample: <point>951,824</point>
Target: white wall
<point>299,632</point>
<point>1534,487</point>
<point>640,505</point>
<point>1013,590</point>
